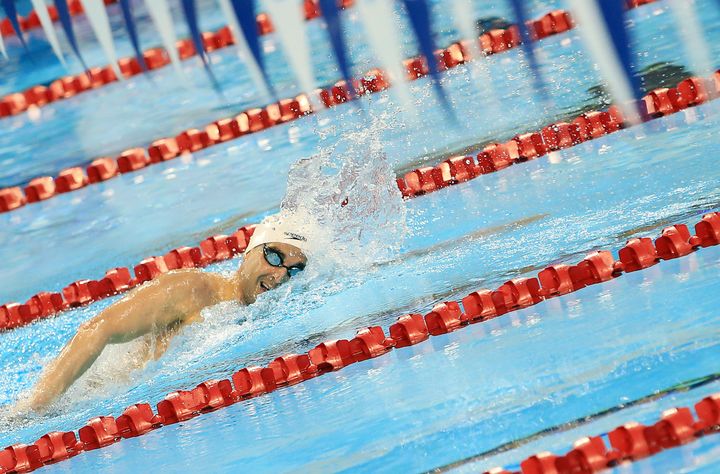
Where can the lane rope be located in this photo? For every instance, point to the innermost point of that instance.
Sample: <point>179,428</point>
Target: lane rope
<point>661,102</point>
<point>573,424</point>
<point>629,442</point>
<point>155,58</point>
<point>216,248</point>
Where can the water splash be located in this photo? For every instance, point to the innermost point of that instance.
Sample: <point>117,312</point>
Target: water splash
<point>345,201</point>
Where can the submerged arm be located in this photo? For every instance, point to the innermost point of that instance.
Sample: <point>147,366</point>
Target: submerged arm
<point>169,301</point>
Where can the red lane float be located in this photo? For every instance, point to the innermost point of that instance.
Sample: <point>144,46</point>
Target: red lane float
<point>11,198</point>
<point>70,179</point>
<point>628,442</point>
<point>214,249</point>
<point>528,146</point>
<point>155,58</point>
<point>137,420</point>
<point>638,3</point>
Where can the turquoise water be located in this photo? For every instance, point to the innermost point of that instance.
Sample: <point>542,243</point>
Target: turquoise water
<point>444,401</point>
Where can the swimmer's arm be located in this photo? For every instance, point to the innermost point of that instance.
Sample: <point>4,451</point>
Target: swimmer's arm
<point>157,344</point>
<point>170,300</point>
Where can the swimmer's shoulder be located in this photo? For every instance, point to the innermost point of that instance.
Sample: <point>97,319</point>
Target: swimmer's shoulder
<point>202,288</point>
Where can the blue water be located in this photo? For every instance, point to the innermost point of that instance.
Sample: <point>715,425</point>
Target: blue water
<point>417,408</point>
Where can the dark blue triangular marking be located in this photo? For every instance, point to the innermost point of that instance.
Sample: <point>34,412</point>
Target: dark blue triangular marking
<point>245,12</point>
<point>66,23</point>
<point>126,8</point>
<point>331,14</point>
<point>190,11</point>
<point>419,14</point>
<point>11,13</point>
<point>521,19</point>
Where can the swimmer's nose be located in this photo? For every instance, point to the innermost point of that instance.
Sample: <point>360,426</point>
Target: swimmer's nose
<point>284,276</point>
<point>279,276</point>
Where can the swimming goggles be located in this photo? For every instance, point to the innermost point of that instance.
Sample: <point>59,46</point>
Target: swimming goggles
<point>276,259</point>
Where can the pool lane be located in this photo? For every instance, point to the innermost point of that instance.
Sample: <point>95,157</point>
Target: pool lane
<point>468,391</point>
<point>594,197</point>
<point>73,132</point>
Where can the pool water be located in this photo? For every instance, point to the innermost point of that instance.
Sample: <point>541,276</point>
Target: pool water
<point>446,403</point>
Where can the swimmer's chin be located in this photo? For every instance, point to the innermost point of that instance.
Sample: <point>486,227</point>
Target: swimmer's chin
<point>259,290</point>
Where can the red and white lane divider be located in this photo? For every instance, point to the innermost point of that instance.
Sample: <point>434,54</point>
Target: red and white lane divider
<point>590,125</point>
<point>690,92</point>
<point>155,58</point>
<point>629,442</point>
<point>250,121</point>
<point>33,20</point>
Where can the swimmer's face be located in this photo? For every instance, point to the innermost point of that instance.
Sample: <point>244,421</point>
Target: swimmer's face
<point>267,266</point>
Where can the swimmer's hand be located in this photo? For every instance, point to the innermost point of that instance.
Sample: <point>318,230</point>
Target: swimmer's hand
<point>20,411</point>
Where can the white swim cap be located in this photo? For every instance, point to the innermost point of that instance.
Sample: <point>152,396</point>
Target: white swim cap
<point>267,232</point>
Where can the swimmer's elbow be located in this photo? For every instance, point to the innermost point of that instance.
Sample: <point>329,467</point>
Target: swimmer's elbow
<point>97,329</point>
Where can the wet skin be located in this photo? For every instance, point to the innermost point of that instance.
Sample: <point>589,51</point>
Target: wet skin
<point>257,276</point>
<point>158,310</point>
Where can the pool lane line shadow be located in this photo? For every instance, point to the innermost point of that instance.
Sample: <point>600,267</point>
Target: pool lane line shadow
<point>682,387</point>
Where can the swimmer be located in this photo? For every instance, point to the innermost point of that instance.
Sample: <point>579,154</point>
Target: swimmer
<point>158,309</point>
